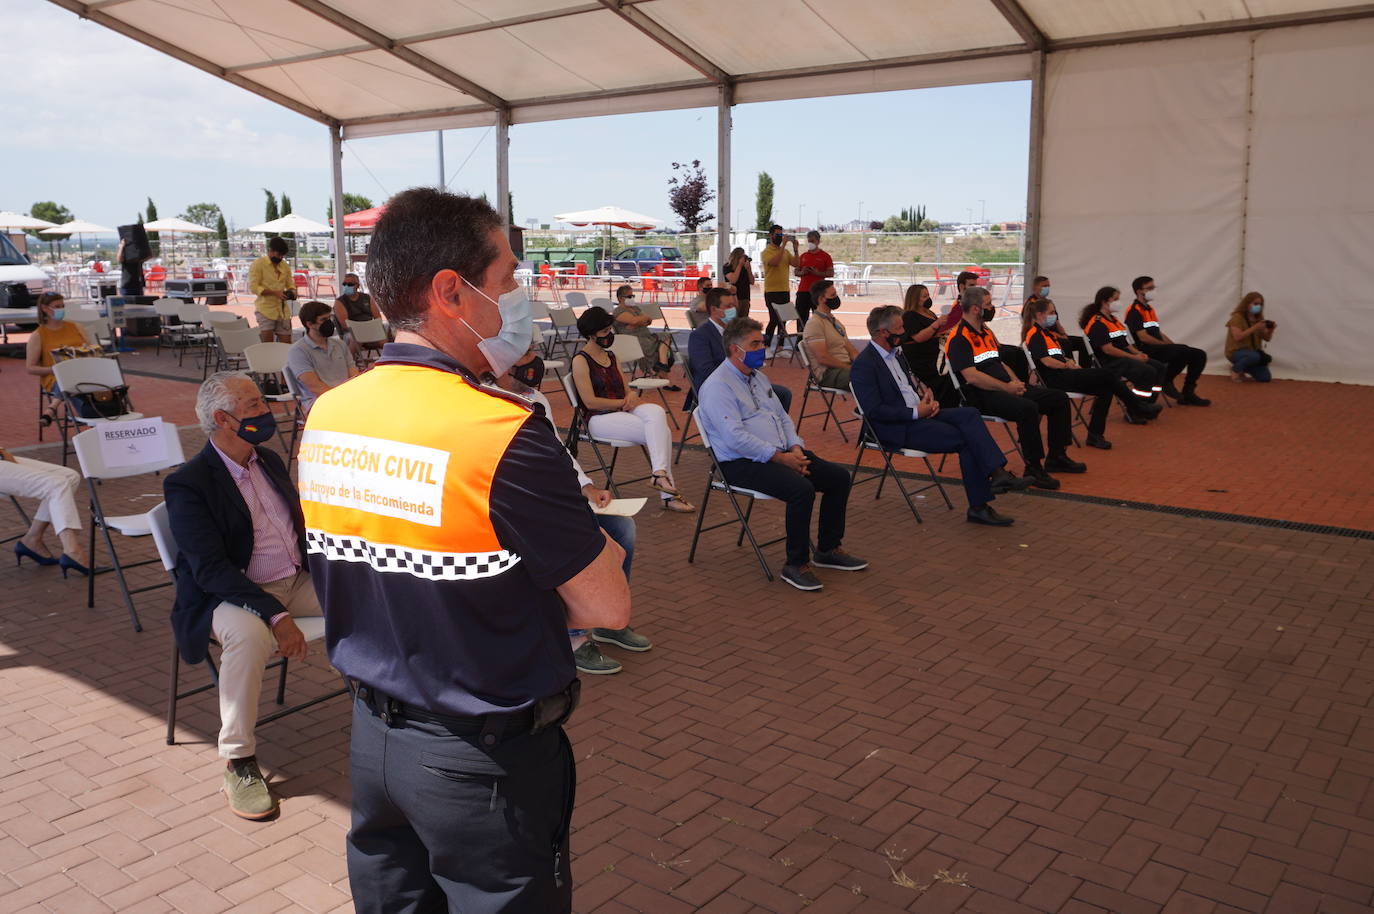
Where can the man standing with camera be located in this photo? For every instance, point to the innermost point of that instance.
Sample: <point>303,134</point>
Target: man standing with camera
<point>777,267</point>
<point>269,278</point>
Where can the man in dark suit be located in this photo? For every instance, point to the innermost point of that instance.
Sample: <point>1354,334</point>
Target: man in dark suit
<point>906,414</point>
<point>240,572</point>
<point>705,346</point>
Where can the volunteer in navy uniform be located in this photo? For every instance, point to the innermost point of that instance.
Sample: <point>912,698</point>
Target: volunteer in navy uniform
<point>452,550</point>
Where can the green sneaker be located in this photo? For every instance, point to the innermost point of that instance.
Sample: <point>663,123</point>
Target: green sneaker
<point>622,637</point>
<point>247,791</point>
<point>589,659</point>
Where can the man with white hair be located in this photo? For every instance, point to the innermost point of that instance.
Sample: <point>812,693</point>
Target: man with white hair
<point>240,570</point>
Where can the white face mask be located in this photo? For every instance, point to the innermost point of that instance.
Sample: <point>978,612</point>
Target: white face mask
<point>812,246</point>
<point>517,329</point>
<point>1149,294</point>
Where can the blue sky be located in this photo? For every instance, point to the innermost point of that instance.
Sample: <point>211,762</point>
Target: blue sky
<point>99,123</point>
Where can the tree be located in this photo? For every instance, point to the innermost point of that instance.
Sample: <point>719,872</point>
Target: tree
<point>51,212</point>
<point>206,214</point>
<point>689,195</point>
<point>353,203</point>
<point>152,217</point>
<point>222,233</point>
<point>285,204</point>
<point>763,203</point>
<point>271,212</point>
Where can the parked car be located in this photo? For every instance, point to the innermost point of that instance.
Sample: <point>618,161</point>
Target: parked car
<point>20,281</point>
<point>642,259</point>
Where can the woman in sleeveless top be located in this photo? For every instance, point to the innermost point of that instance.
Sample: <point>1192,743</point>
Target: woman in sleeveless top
<point>53,333</point>
<point>740,274</point>
<point>618,412</point>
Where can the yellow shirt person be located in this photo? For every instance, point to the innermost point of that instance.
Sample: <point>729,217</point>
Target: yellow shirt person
<point>270,274</point>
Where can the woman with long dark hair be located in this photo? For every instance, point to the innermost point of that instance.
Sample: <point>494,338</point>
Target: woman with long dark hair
<point>739,273</point>
<point>1112,344</point>
<point>922,328</point>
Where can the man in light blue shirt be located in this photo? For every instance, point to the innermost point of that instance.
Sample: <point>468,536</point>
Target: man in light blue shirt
<point>758,448</point>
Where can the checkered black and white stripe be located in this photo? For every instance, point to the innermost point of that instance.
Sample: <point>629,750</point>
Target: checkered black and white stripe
<point>434,566</point>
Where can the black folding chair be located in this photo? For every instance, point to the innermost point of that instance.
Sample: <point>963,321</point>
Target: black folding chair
<point>715,480</point>
<point>869,441</point>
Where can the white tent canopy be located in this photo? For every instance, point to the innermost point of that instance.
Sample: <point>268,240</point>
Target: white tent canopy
<point>1209,149</point>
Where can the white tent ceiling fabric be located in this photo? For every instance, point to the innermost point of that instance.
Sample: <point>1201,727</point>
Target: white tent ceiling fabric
<point>1146,172</point>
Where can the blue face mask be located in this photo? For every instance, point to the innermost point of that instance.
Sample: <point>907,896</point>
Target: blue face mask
<point>754,358</point>
<point>59,313</point>
<point>1045,292</point>
<point>258,429</point>
<point>1051,320</point>
<point>730,314</point>
<point>1254,309</point>
<point>348,289</point>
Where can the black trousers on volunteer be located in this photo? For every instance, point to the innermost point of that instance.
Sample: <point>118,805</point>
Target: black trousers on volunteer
<point>458,814</point>
<point>1176,358</point>
<point>1144,376</point>
<point>1026,411</point>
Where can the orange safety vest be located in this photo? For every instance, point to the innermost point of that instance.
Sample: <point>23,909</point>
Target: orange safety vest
<point>1115,329</point>
<point>382,483</point>
<point>1051,345</point>
<point>984,344</point>
<point>1148,318</point>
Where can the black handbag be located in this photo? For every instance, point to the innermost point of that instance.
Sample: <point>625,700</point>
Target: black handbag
<point>92,400</point>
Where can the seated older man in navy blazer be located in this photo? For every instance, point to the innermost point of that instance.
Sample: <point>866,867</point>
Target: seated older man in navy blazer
<point>240,571</point>
<point>706,345</point>
<point>903,416</point>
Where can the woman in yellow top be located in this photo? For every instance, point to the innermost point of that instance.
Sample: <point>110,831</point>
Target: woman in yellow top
<point>1246,333</point>
<point>54,332</point>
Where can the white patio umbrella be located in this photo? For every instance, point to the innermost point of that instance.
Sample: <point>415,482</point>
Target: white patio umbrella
<point>292,224</point>
<point>610,216</point>
<point>80,229</point>
<point>10,220</point>
<point>175,225</point>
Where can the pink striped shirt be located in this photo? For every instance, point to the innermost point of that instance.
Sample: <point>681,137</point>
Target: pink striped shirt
<point>276,552</point>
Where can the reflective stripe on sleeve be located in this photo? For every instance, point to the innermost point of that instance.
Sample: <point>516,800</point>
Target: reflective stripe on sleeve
<point>984,356</point>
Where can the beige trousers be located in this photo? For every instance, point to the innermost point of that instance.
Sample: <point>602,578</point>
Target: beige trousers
<point>247,645</point>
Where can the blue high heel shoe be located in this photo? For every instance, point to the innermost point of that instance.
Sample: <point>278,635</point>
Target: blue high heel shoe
<point>22,552</point>
<point>67,563</point>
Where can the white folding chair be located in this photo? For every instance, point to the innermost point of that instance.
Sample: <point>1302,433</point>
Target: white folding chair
<point>579,429</point>
<point>370,336</point>
<point>787,311</point>
<point>312,627</point>
<point>576,300</point>
<point>716,481</point>
<point>171,333</point>
<point>95,470</point>
<point>627,351</point>
<point>869,441</point>
<point>231,344</point>
<point>565,335</point>
<point>75,377</point>
<point>827,396</point>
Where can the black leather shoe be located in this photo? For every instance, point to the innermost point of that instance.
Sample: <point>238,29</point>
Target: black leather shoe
<point>1003,482</point>
<point>1171,392</point>
<point>1136,417</point>
<point>1040,479</point>
<point>1190,398</point>
<point>1097,441</point>
<point>988,516</point>
<point>1060,463</point>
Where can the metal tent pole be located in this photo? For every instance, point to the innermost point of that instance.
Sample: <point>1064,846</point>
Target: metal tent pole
<point>726,96</point>
<point>503,166</point>
<point>336,168</point>
<point>1035,170</point>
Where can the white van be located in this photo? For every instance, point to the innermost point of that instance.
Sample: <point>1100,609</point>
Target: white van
<point>16,271</point>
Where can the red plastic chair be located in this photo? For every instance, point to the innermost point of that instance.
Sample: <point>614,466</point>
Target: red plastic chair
<point>545,278</point>
<point>651,286</point>
<point>156,277</point>
<point>197,272</point>
<point>580,275</point>
<point>303,282</point>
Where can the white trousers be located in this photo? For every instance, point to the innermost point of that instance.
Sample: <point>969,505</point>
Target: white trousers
<point>247,645</point>
<point>54,486</point>
<point>646,424</point>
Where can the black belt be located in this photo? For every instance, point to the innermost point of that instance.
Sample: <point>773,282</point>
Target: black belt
<point>550,711</point>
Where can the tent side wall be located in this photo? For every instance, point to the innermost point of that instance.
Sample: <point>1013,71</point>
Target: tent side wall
<point>1219,165</point>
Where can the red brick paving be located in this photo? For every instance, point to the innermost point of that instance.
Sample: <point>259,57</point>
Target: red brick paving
<point>1181,728</point>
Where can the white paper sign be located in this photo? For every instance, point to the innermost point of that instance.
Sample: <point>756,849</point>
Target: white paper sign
<point>132,442</point>
<point>621,507</point>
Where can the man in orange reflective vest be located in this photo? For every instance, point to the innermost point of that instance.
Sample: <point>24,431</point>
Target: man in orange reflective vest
<point>452,549</point>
